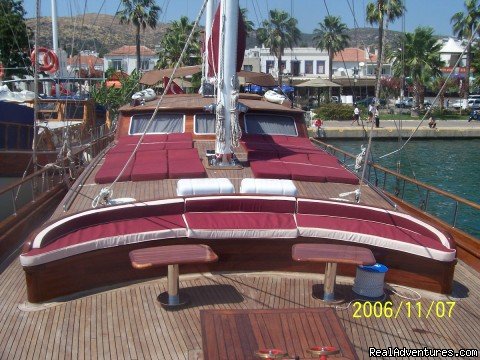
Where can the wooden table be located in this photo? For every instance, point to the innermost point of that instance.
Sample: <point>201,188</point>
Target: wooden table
<point>172,256</point>
<point>332,254</point>
<point>238,334</point>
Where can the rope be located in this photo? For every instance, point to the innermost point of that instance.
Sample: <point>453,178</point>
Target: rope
<point>103,197</point>
<point>236,131</point>
<point>108,191</point>
<point>359,158</point>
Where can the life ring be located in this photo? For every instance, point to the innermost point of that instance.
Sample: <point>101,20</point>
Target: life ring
<point>50,59</point>
<point>2,70</point>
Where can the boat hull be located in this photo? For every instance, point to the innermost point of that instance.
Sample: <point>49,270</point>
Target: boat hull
<point>111,267</point>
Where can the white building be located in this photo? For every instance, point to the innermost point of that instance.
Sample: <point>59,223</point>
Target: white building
<point>307,62</point>
<point>125,59</point>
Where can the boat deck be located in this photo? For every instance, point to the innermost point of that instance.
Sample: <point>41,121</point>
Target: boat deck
<point>128,323</point>
<point>164,189</point>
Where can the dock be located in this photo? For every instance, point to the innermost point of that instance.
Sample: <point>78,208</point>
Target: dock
<point>390,129</point>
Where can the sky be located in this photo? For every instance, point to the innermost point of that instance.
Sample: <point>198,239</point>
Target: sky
<point>434,13</point>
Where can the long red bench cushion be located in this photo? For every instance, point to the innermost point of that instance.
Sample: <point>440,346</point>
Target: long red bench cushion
<point>184,169</point>
<point>150,165</point>
<point>106,235</point>
<point>112,166</point>
<point>178,145</point>
<point>232,225</point>
<point>264,204</point>
<point>373,233</point>
<point>295,158</point>
<point>323,159</point>
<point>269,169</point>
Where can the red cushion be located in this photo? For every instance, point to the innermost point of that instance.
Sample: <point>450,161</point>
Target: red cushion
<point>252,138</point>
<point>179,145</point>
<point>369,228</point>
<point>112,166</point>
<point>304,172</point>
<point>339,175</point>
<point>183,154</point>
<point>258,146</point>
<point>261,155</point>
<point>240,220</point>
<point>112,229</point>
<point>174,137</point>
<point>295,158</point>
<point>150,138</point>
<point>150,165</point>
<point>323,159</point>
<point>269,169</point>
<point>184,169</point>
<point>240,203</point>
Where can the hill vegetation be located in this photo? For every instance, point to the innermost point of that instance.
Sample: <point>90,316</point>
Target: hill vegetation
<point>104,33</point>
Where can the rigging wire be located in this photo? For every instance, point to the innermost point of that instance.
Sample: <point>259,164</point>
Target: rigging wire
<point>107,191</point>
<point>472,37</point>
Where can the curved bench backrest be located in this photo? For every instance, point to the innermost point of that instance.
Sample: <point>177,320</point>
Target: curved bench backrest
<point>270,204</point>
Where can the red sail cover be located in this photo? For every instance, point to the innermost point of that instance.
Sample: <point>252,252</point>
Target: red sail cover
<point>174,88</point>
<point>214,43</point>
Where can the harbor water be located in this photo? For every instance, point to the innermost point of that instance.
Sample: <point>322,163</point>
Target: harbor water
<point>451,165</point>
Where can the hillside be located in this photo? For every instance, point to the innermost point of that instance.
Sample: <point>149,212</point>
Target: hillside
<point>104,33</point>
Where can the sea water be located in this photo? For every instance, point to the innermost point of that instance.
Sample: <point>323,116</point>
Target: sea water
<point>451,165</point>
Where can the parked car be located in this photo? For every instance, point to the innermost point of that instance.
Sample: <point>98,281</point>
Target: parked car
<point>456,104</point>
<point>474,104</point>
<point>405,103</point>
<point>369,100</point>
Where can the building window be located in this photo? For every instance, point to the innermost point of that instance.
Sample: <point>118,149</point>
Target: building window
<point>161,124</point>
<point>248,67</point>
<point>145,64</point>
<point>308,67</point>
<point>320,67</point>
<point>269,66</point>
<point>117,64</point>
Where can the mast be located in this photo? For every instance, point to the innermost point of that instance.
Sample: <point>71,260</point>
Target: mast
<point>227,81</point>
<point>35,88</point>
<point>55,41</point>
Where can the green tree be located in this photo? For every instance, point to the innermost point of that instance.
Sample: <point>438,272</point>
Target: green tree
<point>249,27</point>
<point>14,36</point>
<point>421,60</point>
<point>278,32</point>
<point>380,12</point>
<point>140,13</point>
<point>464,25</point>
<point>331,36</point>
<point>174,41</point>
<point>476,65</point>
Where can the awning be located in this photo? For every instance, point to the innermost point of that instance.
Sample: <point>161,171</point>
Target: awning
<point>153,77</point>
<point>318,83</point>
<point>257,78</point>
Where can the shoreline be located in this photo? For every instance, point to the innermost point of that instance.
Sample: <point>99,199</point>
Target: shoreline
<point>445,129</point>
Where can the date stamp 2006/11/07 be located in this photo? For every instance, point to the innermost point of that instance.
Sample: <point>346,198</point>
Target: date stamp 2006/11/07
<point>387,309</point>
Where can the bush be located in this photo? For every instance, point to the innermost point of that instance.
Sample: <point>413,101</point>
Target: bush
<point>334,111</point>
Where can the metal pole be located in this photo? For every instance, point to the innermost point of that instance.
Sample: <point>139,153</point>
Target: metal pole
<point>55,43</point>
<point>35,88</point>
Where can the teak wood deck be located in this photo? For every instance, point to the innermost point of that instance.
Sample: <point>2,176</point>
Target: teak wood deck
<point>128,323</point>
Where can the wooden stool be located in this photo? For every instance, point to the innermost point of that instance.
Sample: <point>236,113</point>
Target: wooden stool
<point>332,254</point>
<point>172,256</point>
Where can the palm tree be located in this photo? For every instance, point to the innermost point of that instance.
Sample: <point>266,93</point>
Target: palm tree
<point>421,58</point>
<point>380,11</point>
<point>140,13</point>
<point>464,25</point>
<point>278,32</point>
<point>174,41</point>
<point>249,27</point>
<point>331,36</point>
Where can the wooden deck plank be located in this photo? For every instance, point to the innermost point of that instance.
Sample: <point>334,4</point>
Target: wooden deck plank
<point>126,323</point>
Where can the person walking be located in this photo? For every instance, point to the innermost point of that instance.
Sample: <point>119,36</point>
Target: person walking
<point>356,114</point>
<point>370,112</point>
<point>377,118</point>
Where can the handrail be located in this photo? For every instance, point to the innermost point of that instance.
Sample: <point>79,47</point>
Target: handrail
<point>429,188</point>
<point>47,177</point>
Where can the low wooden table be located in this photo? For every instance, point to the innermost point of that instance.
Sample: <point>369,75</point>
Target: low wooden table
<point>172,256</point>
<point>332,254</point>
<point>239,334</point>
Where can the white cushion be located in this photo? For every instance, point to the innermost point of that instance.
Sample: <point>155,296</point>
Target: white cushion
<point>268,186</point>
<point>204,186</point>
